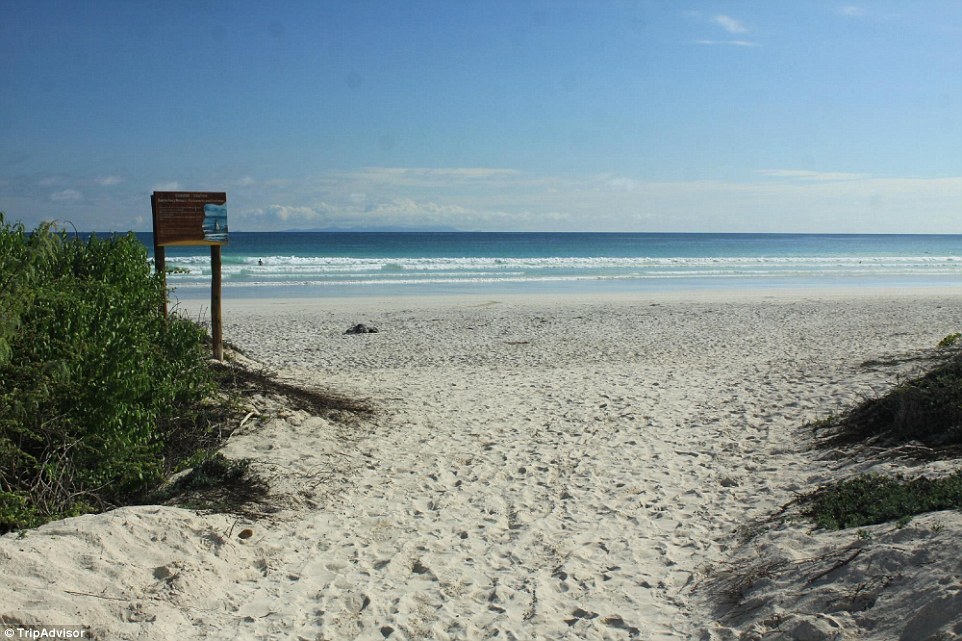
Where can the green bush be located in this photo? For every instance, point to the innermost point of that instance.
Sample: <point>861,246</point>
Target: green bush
<point>95,383</point>
<point>950,341</point>
<point>870,499</point>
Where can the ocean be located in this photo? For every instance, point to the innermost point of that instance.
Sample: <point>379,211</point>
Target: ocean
<point>320,264</point>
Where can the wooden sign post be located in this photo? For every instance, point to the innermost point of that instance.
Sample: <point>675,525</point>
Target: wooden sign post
<point>193,218</point>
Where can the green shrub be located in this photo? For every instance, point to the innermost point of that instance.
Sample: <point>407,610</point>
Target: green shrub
<point>871,499</point>
<point>950,341</point>
<point>95,383</point>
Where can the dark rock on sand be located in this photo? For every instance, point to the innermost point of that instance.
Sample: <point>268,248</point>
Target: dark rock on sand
<point>361,328</point>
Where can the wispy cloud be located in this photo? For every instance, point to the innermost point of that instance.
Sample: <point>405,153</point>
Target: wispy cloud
<point>729,24</point>
<point>851,11</point>
<point>318,213</point>
<point>352,212</point>
<point>732,43</point>
<point>109,181</point>
<point>807,174</point>
<point>732,26</point>
<point>777,199</point>
<point>431,175</point>
<point>66,194</point>
<point>770,199</point>
<point>452,172</point>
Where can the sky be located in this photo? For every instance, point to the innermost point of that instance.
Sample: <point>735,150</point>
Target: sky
<point>516,115</point>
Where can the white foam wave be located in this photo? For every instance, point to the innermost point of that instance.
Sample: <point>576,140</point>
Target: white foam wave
<point>293,264</point>
<point>267,271</point>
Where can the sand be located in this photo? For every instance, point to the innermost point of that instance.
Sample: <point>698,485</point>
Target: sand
<point>591,467</point>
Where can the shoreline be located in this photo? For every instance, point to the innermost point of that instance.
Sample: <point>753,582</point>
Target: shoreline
<point>543,467</point>
<point>371,302</point>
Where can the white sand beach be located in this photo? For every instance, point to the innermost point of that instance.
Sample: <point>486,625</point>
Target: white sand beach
<point>588,467</point>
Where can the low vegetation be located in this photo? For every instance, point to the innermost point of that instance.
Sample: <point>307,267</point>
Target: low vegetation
<point>926,410</point>
<point>921,416</point>
<point>871,499</point>
<point>213,482</point>
<point>101,395</point>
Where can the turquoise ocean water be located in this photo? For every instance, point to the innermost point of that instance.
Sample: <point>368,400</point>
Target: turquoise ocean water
<point>319,264</point>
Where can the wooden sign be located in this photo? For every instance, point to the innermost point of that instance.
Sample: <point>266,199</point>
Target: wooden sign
<point>193,218</point>
<point>189,218</point>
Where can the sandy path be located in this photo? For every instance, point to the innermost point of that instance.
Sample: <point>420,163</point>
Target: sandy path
<point>566,472</point>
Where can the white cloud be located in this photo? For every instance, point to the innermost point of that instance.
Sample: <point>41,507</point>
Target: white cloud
<point>446,172</point>
<point>354,210</point>
<point>732,26</point>
<point>815,202</point>
<point>66,194</point>
<point>289,214</point>
<point>734,43</point>
<point>775,199</point>
<point>806,174</point>
<point>852,11</point>
<point>623,184</point>
<point>729,24</point>
<point>405,208</point>
<point>425,176</point>
<point>109,181</point>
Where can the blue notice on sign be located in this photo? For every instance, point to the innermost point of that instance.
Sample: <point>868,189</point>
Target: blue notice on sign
<point>215,223</point>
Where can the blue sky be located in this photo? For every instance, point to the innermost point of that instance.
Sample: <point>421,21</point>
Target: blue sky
<point>519,115</point>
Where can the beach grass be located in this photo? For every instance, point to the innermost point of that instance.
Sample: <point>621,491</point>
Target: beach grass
<point>925,410</point>
<point>213,482</point>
